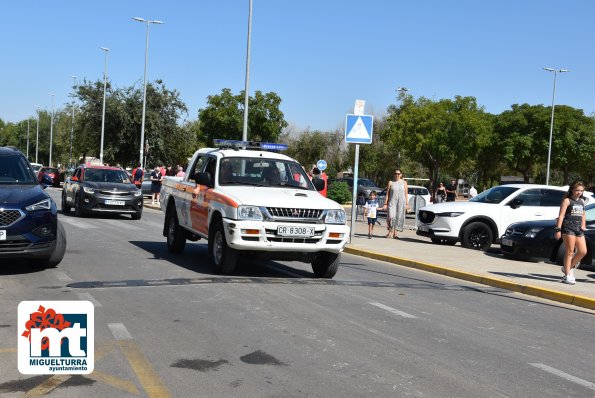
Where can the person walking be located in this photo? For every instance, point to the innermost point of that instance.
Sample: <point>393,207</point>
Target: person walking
<point>440,193</point>
<point>451,191</point>
<point>472,192</point>
<point>370,211</point>
<point>137,176</point>
<point>396,203</point>
<point>571,226</point>
<point>156,177</point>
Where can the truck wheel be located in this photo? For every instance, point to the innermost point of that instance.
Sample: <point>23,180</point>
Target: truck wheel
<point>477,236</point>
<point>176,236</point>
<point>325,265</point>
<point>65,206</point>
<point>224,258</point>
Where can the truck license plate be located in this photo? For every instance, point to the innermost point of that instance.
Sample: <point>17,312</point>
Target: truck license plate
<point>286,230</point>
<point>115,202</point>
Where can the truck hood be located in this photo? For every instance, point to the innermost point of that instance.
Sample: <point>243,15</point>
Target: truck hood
<point>279,197</point>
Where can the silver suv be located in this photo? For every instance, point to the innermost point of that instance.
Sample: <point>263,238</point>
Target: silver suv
<point>481,221</point>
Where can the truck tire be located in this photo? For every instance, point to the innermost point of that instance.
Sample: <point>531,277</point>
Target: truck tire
<point>65,206</point>
<point>477,236</point>
<point>176,236</point>
<point>224,258</point>
<point>325,265</point>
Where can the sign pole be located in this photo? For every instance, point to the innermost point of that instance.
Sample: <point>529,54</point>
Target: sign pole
<point>354,194</point>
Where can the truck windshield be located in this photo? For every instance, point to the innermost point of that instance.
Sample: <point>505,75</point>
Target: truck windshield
<point>263,172</point>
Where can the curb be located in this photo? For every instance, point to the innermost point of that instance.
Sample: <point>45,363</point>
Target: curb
<point>579,301</point>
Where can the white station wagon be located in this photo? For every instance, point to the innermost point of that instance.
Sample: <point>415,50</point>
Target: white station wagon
<point>481,221</point>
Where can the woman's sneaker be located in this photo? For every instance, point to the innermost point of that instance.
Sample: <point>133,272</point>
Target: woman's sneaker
<point>569,279</point>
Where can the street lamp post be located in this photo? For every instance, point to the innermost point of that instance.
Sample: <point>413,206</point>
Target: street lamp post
<point>105,50</point>
<point>142,128</point>
<point>51,131</point>
<point>37,138</point>
<point>247,86</point>
<point>72,125</point>
<point>549,148</point>
<point>28,119</point>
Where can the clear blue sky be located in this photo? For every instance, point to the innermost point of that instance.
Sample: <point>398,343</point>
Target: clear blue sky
<point>318,55</point>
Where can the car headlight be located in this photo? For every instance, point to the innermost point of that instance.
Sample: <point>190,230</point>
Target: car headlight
<point>335,216</point>
<point>532,233</point>
<point>45,204</point>
<point>249,213</point>
<point>450,214</point>
<point>88,190</point>
<point>138,193</point>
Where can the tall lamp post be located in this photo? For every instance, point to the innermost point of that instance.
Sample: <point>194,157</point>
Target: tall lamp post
<point>51,131</point>
<point>105,50</point>
<point>37,138</point>
<point>549,148</point>
<point>72,125</point>
<point>142,128</point>
<point>247,86</point>
<point>28,120</point>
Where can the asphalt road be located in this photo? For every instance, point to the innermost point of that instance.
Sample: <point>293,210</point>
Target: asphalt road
<point>167,326</point>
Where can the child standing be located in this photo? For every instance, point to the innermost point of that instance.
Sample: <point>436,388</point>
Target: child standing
<point>370,209</point>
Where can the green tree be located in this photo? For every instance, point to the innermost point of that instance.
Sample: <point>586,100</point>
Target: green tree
<point>223,117</point>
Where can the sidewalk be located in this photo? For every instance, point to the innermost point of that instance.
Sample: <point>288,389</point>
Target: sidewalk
<point>539,279</point>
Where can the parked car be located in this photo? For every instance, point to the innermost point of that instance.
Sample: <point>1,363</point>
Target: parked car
<point>101,189</point>
<point>35,167</point>
<point>29,226</point>
<point>530,240</point>
<point>364,186</point>
<point>52,172</point>
<point>417,197</point>
<point>479,222</point>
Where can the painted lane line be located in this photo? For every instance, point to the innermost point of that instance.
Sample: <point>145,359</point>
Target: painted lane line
<point>393,310</point>
<point>564,375</point>
<point>88,297</point>
<point>62,276</point>
<point>119,331</point>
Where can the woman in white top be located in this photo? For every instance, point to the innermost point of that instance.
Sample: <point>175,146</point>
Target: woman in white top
<point>396,202</point>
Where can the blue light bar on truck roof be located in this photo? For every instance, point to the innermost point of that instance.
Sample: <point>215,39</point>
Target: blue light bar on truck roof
<point>236,144</point>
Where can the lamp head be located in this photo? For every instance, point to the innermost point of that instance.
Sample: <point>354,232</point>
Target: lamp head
<point>104,49</point>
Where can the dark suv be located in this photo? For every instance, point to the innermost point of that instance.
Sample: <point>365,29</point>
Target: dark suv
<point>101,189</point>
<point>29,227</point>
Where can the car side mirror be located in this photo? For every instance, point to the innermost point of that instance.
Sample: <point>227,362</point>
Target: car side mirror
<point>203,179</point>
<point>318,183</point>
<point>46,181</point>
<point>515,203</point>
<point>74,178</point>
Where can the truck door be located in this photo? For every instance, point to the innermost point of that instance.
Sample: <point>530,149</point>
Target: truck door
<point>199,210</point>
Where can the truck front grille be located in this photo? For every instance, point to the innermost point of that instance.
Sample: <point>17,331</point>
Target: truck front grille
<point>292,213</point>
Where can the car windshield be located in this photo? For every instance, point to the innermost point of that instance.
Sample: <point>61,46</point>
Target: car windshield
<point>106,175</point>
<point>364,182</point>
<point>417,191</point>
<point>494,195</point>
<point>15,169</point>
<point>50,170</point>
<point>263,172</point>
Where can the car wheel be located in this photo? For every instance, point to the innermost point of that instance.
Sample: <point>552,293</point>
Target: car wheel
<point>137,215</point>
<point>65,206</point>
<point>78,210</point>
<point>325,265</point>
<point>176,236</point>
<point>224,258</point>
<point>447,242</point>
<point>59,250</point>
<point>477,236</point>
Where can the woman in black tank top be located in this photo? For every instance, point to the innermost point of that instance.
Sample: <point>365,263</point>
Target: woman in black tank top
<point>571,225</point>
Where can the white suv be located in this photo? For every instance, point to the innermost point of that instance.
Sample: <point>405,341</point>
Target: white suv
<point>481,221</point>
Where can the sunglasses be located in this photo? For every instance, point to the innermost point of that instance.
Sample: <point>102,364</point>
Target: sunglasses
<point>397,174</point>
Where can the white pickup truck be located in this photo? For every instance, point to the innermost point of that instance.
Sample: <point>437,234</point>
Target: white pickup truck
<point>248,201</point>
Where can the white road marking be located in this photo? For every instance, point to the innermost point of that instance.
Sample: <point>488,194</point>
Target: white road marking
<point>62,276</point>
<point>88,297</point>
<point>77,222</point>
<point>394,311</point>
<point>119,331</point>
<point>564,375</point>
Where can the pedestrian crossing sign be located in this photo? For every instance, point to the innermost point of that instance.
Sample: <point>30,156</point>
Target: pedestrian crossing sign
<point>358,129</point>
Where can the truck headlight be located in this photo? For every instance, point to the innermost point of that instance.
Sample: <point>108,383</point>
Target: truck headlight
<point>249,213</point>
<point>45,204</point>
<point>532,233</point>
<point>88,190</point>
<point>335,216</point>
